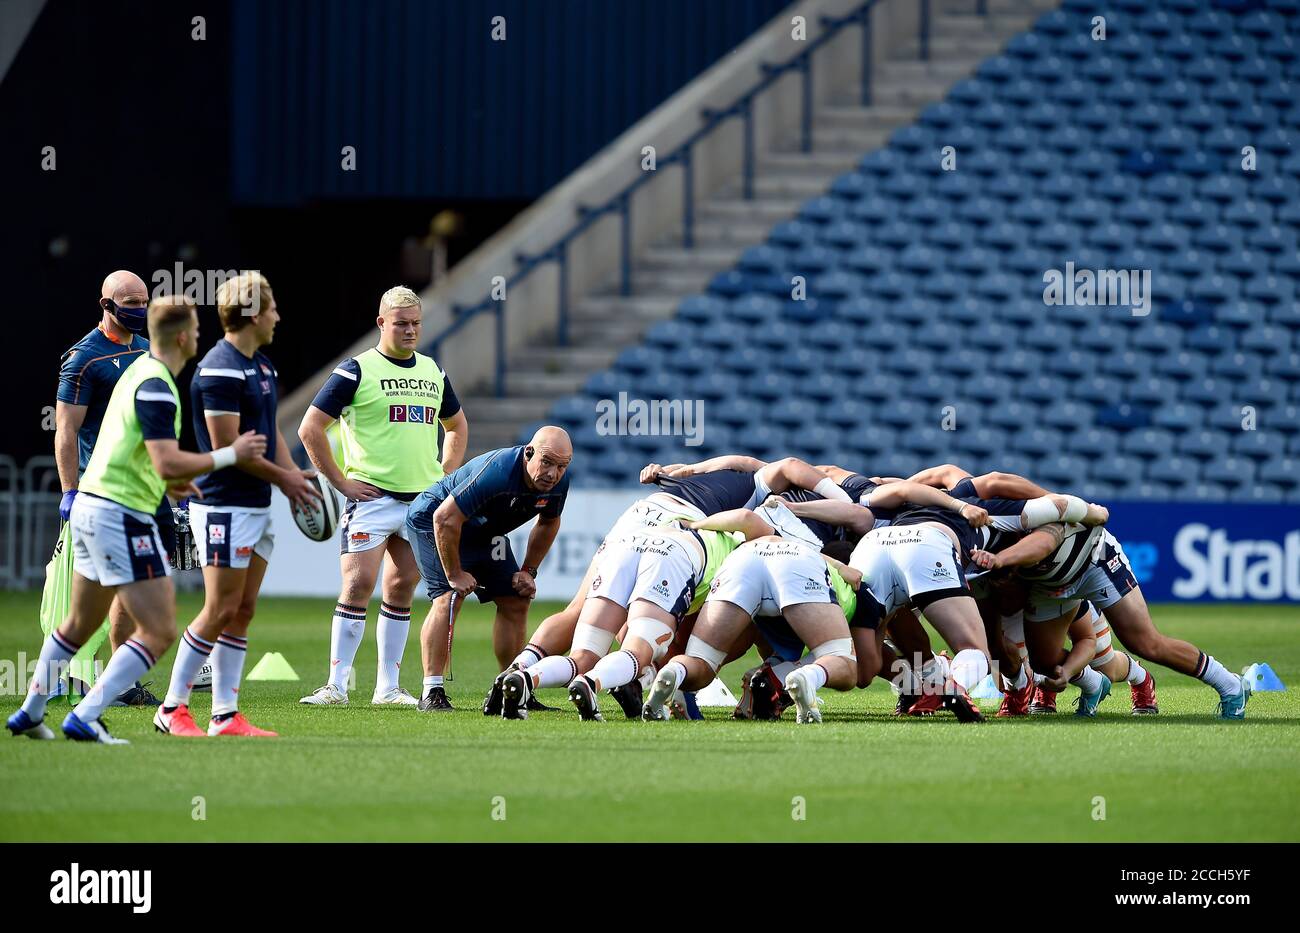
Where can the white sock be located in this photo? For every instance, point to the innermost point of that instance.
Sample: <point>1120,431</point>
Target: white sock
<point>433,680</point>
<point>647,676</point>
<point>677,668</point>
<point>816,676</point>
<point>1013,627</point>
<point>829,489</point>
<point>227,671</point>
<point>528,657</point>
<point>1217,676</point>
<point>1022,680</point>
<point>1089,681</point>
<point>555,671</point>
<point>615,670</point>
<point>190,655</point>
<point>53,662</point>
<point>345,637</point>
<point>1136,672</point>
<point>391,630</point>
<point>1038,680</point>
<point>969,668</point>
<point>934,672</point>
<point>127,665</point>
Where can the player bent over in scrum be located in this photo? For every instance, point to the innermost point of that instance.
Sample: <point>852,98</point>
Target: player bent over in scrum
<point>771,576</point>
<point>915,561</point>
<point>117,547</point>
<point>556,634</point>
<point>1089,564</point>
<point>649,580</point>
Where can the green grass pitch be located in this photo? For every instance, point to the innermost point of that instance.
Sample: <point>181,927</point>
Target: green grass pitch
<point>362,773</point>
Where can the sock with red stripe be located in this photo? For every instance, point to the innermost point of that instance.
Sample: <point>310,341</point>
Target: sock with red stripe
<point>615,670</point>
<point>227,671</point>
<point>55,655</point>
<point>190,655</point>
<point>1217,676</point>
<point>528,657</point>
<point>391,631</point>
<point>345,637</point>
<point>128,664</point>
<point>553,672</point>
<point>1136,672</point>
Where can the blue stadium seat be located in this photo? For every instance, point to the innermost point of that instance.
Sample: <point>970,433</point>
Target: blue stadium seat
<point>1281,471</point>
<point>1230,471</point>
<point>1124,416</point>
<point>1172,470</point>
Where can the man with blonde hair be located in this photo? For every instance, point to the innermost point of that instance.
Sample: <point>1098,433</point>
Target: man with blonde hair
<point>234,391</point>
<point>118,553</point>
<point>389,402</point>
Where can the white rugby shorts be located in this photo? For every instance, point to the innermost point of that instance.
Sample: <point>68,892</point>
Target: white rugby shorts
<point>113,545</point>
<point>366,525</point>
<point>765,577</point>
<point>909,563</point>
<point>662,569</point>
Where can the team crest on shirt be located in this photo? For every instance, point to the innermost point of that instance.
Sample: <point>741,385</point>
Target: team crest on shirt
<point>141,545</point>
<point>217,534</point>
<point>1113,564</point>
<point>541,503</point>
<point>243,552</point>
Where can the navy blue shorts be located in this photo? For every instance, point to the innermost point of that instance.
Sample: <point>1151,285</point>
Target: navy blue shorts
<point>785,644</point>
<point>493,565</point>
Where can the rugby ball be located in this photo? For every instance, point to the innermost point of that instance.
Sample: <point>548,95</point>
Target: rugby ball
<point>203,681</point>
<point>319,519</point>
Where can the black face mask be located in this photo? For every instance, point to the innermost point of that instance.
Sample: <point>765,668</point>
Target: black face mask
<point>133,319</point>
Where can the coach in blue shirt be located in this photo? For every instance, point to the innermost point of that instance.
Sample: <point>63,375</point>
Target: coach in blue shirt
<point>87,374</point>
<point>458,529</point>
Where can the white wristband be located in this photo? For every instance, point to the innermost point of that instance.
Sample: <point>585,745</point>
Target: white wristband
<point>223,457</point>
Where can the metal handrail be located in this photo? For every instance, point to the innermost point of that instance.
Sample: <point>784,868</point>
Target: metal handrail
<point>621,202</point>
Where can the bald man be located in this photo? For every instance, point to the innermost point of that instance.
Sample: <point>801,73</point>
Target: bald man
<point>458,529</point>
<point>87,375</point>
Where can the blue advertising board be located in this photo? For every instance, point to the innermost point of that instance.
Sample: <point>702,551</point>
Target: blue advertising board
<point>1211,552</point>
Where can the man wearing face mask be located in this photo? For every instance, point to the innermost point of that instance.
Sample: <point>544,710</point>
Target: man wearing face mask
<point>89,371</point>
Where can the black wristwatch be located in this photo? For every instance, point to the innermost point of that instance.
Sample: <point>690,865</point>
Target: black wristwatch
<point>531,571</point>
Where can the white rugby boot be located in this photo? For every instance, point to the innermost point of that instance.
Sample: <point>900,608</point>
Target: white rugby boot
<point>328,695</point>
<point>804,695</point>
<point>397,696</point>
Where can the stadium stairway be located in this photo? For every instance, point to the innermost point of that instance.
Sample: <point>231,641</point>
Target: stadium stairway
<point>604,324</point>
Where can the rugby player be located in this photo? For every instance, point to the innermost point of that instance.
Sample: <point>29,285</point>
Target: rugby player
<point>389,402</point>
<point>87,375</point>
<point>235,390</point>
<point>649,581</point>
<point>117,548</point>
<point>458,527</point>
<point>684,490</point>
<point>770,575</point>
<point>1065,566</point>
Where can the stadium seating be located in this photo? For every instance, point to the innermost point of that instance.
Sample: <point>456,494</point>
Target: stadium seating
<point>925,287</point>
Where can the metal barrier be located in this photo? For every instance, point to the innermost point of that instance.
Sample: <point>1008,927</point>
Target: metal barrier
<point>621,203</point>
<point>9,489</point>
<point>39,499</point>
